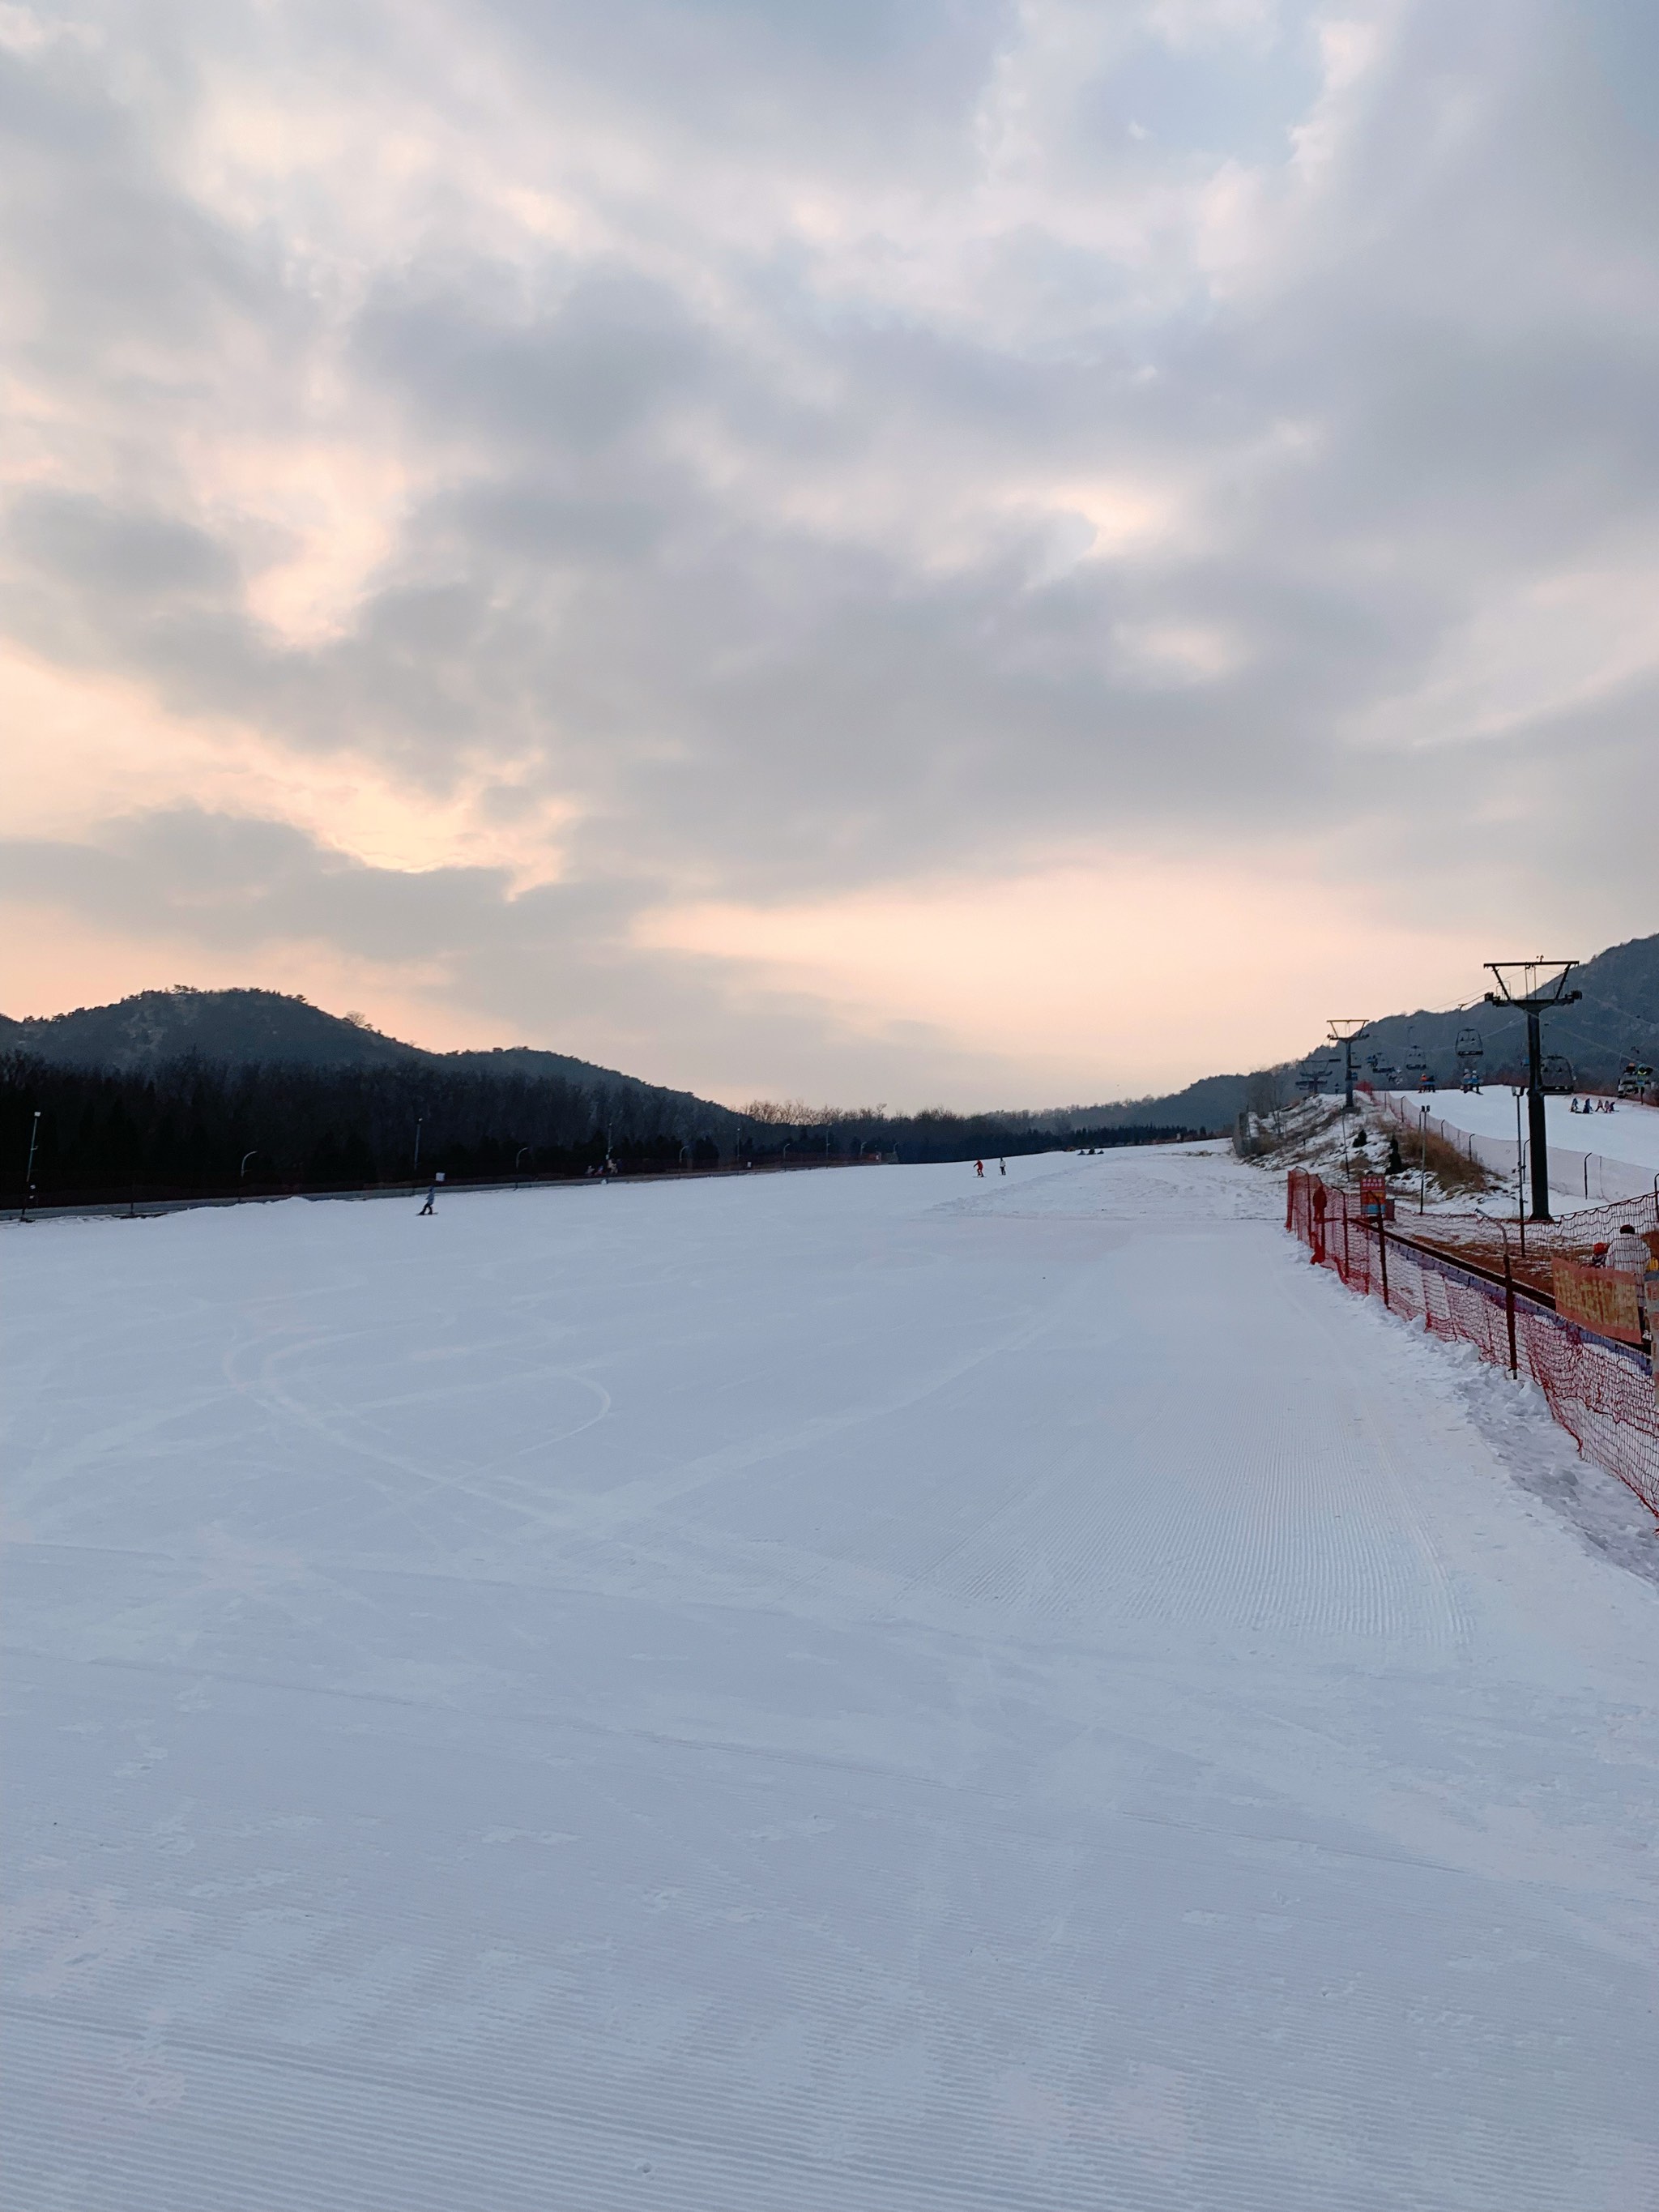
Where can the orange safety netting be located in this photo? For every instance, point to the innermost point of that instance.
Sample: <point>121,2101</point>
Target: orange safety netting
<point>1454,1283</point>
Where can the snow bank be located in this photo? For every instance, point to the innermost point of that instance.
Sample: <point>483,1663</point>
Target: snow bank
<point>870,1690</point>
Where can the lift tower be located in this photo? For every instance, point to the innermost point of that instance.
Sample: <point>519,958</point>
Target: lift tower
<point>1535,987</point>
<point>1346,1030</point>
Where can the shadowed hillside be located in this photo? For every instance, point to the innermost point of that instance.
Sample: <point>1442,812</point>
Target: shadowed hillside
<point>1616,1020</point>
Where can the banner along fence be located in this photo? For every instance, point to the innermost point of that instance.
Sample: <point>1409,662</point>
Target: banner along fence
<point>1602,1391</point>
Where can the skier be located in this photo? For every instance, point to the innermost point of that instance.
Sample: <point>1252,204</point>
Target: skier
<point>1002,1167</point>
<point>432,1193</point>
<point>979,1170</point>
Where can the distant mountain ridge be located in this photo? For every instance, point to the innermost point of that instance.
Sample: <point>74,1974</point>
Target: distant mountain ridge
<point>247,1027</point>
<point>1616,1020</point>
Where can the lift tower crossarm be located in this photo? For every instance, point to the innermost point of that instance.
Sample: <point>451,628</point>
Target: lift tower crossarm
<point>1534,987</point>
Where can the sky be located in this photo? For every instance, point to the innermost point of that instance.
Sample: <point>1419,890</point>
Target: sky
<point>898,551</point>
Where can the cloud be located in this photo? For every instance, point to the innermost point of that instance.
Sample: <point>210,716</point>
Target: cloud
<point>221,899</point>
<point>556,467</point>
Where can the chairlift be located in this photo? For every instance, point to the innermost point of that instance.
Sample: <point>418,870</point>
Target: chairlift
<point>1556,1075</point>
<point>1469,1047</point>
<point>1636,1079</point>
<point>1387,1075</point>
<point>1416,1059</point>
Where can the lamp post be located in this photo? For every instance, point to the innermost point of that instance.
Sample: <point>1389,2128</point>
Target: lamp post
<point>242,1173</point>
<point>419,1118</point>
<point>1422,1157</point>
<point>522,1150</point>
<point>28,1172</point>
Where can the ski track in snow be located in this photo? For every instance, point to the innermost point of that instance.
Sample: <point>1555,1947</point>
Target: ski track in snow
<point>862,1690</point>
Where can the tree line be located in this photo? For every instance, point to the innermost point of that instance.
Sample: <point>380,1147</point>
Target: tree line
<point>192,1127</point>
<point>782,1130</point>
<point>195,1126</point>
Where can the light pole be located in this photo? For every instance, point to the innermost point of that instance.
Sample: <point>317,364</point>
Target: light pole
<point>241,1175</point>
<point>1422,1157</point>
<point>28,1172</point>
<point>419,1118</point>
<point>1520,1172</point>
<point>522,1150</point>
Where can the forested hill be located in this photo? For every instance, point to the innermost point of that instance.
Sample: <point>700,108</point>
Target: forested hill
<point>240,1029</point>
<point>1616,1020</point>
<point>177,1091</point>
<point>199,1090</point>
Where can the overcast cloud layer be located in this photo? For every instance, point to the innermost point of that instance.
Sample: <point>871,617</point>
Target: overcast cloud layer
<point>831,545</point>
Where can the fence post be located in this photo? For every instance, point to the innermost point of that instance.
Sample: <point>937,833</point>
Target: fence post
<point>1508,1305</point>
<point>1347,1264</point>
<point>1383,1254</point>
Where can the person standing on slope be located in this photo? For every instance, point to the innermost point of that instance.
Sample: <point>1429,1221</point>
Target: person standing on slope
<point>979,1170</point>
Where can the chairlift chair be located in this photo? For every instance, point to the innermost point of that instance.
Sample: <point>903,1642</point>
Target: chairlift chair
<point>1557,1074</point>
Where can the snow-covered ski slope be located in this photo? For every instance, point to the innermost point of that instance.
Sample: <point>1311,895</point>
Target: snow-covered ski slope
<point>852,1689</point>
<point>1628,1137</point>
